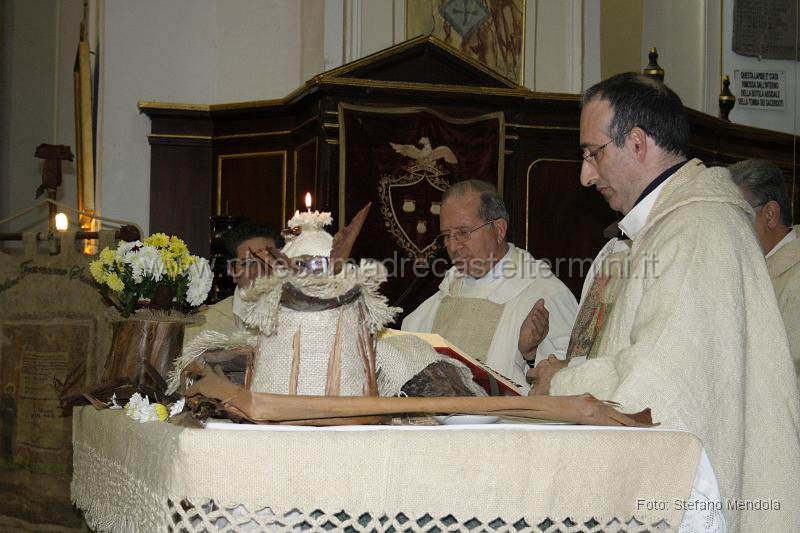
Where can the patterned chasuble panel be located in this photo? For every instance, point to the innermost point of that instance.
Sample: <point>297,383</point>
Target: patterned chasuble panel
<point>51,322</point>
<point>456,321</point>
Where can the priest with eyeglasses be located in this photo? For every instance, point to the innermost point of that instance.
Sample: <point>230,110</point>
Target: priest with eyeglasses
<point>497,302</point>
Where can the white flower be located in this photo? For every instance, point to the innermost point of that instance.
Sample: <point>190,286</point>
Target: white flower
<point>177,407</point>
<point>139,408</point>
<point>125,248</point>
<point>145,262</point>
<point>200,280</point>
<point>113,403</point>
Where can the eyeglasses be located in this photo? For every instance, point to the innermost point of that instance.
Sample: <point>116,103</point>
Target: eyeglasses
<point>591,156</point>
<point>461,235</point>
<point>759,204</point>
<point>237,267</point>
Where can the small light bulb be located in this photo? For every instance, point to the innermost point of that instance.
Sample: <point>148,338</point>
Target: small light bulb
<point>61,222</point>
<point>308,201</point>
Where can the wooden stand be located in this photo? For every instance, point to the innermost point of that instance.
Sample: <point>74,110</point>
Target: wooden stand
<point>140,347</point>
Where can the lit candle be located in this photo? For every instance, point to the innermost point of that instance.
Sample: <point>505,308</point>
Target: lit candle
<point>308,202</point>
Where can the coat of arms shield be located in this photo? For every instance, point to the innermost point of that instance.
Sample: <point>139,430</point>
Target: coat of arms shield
<point>410,206</point>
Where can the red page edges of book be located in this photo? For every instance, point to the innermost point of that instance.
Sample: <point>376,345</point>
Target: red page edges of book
<point>481,374</point>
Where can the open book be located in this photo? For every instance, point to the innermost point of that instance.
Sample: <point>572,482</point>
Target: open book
<point>484,376</point>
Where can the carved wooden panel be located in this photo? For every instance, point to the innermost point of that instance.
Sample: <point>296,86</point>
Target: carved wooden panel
<point>253,184</point>
<point>181,189</point>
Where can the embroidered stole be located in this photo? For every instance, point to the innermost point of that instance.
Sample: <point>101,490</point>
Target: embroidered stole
<point>596,306</point>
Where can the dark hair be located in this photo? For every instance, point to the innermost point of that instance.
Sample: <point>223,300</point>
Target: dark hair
<point>249,230</point>
<point>639,100</point>
<point>765,182</point>
<point>492,206</point>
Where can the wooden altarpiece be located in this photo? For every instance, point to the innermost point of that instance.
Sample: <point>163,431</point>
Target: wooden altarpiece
<point>332,136</point>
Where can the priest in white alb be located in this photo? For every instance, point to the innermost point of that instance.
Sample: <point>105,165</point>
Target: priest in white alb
<point>763,186</point>
<point>678,313</point>
<point>497,302</point>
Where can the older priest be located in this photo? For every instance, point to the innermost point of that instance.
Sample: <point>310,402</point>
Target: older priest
<point>762,185</point>
<point>496,300</point>
<point>690,326</point>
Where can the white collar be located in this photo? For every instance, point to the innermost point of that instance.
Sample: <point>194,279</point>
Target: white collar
<point>792,235</point>
<point>632,223</point>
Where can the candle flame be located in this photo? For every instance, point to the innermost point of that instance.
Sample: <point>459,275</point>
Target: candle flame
<point>308,200</point>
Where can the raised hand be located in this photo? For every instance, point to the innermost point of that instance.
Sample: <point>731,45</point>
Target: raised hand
<point>533,330</point>
<point>272,257</point>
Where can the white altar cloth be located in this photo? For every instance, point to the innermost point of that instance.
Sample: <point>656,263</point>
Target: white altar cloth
<point>155,476</point>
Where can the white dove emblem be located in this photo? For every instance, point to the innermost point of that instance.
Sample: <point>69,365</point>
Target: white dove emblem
<point>425,154</point>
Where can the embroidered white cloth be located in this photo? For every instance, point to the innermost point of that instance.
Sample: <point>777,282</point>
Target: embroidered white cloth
<point>155,476</point>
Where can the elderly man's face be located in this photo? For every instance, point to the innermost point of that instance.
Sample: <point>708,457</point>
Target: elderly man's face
<point>247,267</point>
<point>611,169</point>
<point>478,253</point>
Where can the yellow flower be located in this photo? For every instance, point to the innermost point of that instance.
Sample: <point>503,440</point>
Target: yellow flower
<point>161,411</point>
<point>177,246</point>
<point>114,282</point>
<point>107,256</point>
<point>98,271</point>
<point>158,240</point>
<point>186,261</point>
<point>170,266</point>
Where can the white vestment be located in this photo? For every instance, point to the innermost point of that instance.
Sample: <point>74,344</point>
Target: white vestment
<point>783,265</point>
<point>693,331</point>
<point>516,283</point>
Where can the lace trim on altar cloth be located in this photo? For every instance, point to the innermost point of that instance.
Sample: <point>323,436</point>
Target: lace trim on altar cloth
<point>206,516</point>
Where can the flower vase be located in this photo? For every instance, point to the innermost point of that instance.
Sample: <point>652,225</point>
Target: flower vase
<point>141,342</point>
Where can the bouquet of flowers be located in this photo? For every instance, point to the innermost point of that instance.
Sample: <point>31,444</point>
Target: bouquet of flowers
<point>159,270</point>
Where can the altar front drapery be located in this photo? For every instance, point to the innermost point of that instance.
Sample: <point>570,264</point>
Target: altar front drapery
<point>130,476</point>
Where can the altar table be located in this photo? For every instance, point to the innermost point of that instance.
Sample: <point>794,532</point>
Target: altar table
<point>154,476</point>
